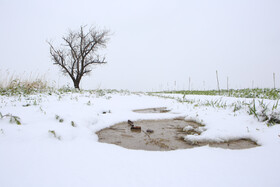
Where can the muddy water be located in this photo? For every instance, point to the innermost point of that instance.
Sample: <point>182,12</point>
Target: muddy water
<point>168,134</point>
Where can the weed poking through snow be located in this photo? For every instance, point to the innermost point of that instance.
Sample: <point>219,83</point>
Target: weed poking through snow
<point>13,119</point>
<point>73,124</point>
<point>60,120</point>
<point>53,133</point>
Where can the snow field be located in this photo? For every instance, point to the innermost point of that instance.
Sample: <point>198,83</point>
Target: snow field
<point>30,155</point>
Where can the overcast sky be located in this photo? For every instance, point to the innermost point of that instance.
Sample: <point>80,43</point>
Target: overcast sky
<point>154,44</point>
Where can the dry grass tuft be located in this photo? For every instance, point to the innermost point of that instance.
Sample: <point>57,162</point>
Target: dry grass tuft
<point>13,84</point>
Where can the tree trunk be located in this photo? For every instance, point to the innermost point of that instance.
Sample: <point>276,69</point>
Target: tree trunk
<point>76,84</point>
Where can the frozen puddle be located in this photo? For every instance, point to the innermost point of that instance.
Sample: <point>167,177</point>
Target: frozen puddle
<point>152,110</point>
<point>166,135</point>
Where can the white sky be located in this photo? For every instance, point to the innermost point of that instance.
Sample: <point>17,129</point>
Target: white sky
<point>154,44</point>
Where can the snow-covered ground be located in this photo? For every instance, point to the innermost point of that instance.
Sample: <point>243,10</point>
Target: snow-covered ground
<point>56,144</point>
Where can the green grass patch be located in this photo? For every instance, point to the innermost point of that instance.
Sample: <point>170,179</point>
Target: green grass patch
<point>265,93</point>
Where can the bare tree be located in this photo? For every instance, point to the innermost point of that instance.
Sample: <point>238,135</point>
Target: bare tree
<point>78,53</point>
